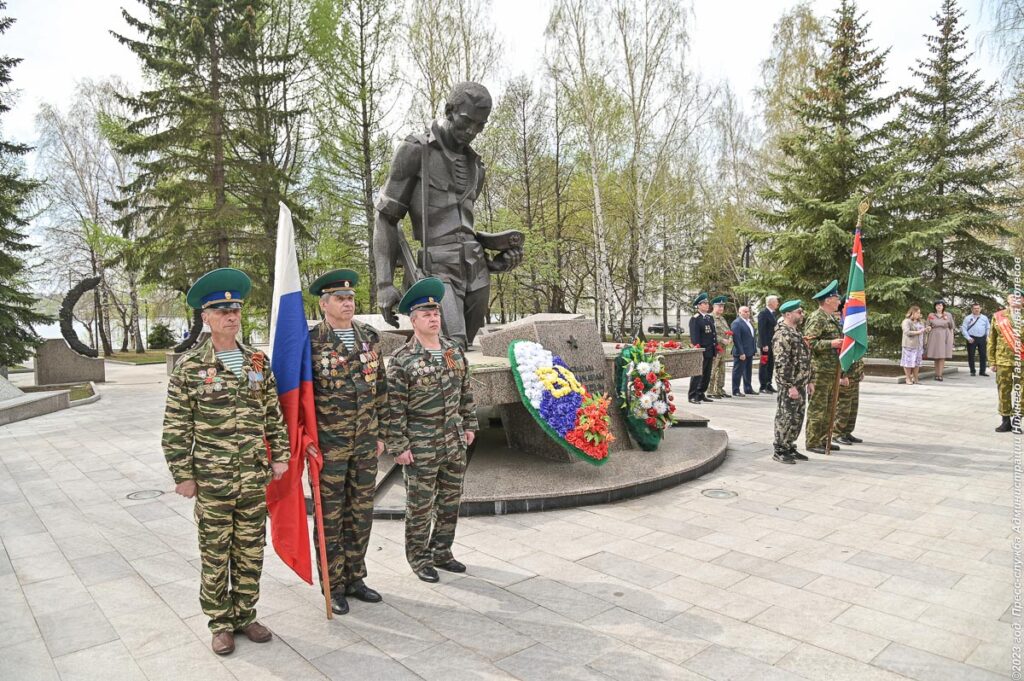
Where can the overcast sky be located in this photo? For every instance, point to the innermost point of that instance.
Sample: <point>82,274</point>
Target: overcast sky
<point>62,41</point>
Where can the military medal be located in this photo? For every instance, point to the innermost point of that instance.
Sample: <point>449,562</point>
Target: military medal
<point>254,379</point>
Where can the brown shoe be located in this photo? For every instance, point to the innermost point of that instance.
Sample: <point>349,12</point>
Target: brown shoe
<point>223,643</point>
<point>257,633</point>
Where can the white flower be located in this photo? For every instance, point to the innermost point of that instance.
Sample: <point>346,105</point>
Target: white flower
<point>643,368</point>
<point>647,400</point>
<point>656,366</point>
<point>660,407</point>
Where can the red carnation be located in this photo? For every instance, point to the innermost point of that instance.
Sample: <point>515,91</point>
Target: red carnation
<point>652,412</point>
<point>652,377</point>
<point>671,408</point>
<point>671,397</point>
<point>650,421</point>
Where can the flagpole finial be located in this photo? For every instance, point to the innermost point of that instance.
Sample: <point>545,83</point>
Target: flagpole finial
<point>862,208</point>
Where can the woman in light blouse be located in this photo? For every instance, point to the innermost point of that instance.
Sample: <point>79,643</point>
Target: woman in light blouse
<point>939,341</point>
<point>913,344</point>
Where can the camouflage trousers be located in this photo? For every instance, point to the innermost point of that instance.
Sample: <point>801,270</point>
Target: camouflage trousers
<point>232,534</point>
<point>818,407</point>
<point>1004,385</point>
<point>347,483</point>
<point>789,418</point>
<point>433,490</point>
<point>846,409</point>
<point>716,385</point>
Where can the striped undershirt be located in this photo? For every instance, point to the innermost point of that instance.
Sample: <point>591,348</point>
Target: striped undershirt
<point>233,360</point>
<point>438,355</point>
<point>347,336</point>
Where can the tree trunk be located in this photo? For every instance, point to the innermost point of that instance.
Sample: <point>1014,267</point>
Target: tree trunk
<point>136,322</point>
<point>366,142</point>
<point>217,141</point>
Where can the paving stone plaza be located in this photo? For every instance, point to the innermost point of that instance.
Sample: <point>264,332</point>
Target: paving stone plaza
<point>891,560</point>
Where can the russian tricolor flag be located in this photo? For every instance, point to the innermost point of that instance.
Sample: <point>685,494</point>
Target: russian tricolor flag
<point>292,365</point>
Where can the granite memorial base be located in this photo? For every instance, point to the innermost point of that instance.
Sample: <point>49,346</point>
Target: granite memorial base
<point>18,405</point>
<point>57,363</point>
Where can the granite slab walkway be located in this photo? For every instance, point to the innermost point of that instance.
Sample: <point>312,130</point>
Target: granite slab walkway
<point>888,561</point>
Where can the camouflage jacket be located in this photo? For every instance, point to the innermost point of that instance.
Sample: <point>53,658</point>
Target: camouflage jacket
<point>349,387</point>
<point>217,426</point>
<point>792,358</point>
<point>856,372</point>
<point>723,332</point>
<point>820,329</point>
<point>430,405</point>
<point>1000,352</point>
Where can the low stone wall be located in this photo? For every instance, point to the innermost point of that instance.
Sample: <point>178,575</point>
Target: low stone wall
<point>57,363</point>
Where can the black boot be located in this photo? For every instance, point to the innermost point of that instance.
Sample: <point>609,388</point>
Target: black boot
<point>1004,427</point>
<point>782,455</point>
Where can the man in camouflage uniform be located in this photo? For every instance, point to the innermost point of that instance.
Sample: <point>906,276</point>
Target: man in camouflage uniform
<point>351,405</point>
<point>432,421</point>
<point>1004,335</point>
<point>724,335</point>
<point>222,414</point>
<point>824,334</point>
<point>793,376</point>
<point>849,398</point>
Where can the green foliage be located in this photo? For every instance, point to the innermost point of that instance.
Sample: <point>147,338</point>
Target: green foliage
<point>17,338</point>
<point>210,136</point>
<point>838,154</point>
<point>952,203</point>
<point>160,337</point>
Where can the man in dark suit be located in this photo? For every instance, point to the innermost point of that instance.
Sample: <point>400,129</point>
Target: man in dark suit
<point>743,349</point>
<point>702,335</point>
<point>766,320</point>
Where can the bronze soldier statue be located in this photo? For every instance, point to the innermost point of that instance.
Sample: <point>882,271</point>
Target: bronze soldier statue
<point>441,211</point>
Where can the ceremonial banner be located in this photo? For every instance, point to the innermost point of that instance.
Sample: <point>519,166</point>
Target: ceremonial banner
<point>855,314</point>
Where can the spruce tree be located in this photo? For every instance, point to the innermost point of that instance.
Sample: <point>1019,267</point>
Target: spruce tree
<point>835,155</point>
<point>17,338</point>
<point>950,208</point>
<point>182,133</point>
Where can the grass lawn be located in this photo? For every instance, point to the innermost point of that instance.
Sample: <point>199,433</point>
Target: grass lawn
<point>80,392</point>
<point>147,357</point>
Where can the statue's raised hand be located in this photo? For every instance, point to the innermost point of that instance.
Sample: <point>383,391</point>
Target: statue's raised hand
<point>387,298</point>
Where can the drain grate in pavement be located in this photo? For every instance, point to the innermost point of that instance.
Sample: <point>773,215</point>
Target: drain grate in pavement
<point>718,493</point>
<point>145,494</point>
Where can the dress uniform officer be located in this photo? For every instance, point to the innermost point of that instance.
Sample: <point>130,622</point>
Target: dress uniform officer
<point>717,386</point>
<point>824,334</point>
<point>703,336</point>
<point>432,421</point>
<point>222,416</point>
<point>350,392</point>
<point>793,376</point>
<point>1007,355</point>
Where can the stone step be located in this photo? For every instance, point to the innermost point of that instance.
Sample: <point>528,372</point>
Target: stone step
<point>500,480</point>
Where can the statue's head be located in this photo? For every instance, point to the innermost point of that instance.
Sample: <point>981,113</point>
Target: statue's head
<point>467,109</point>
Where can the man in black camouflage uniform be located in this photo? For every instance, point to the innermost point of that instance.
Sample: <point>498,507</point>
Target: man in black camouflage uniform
<point>432,421</point>
<point>222,414</point>
<point>351,404</point>
<point>793,378</point>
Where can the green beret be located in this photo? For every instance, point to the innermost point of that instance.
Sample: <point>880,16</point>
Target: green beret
<point>701,298</point>
<point>425,293</point>
<point>338,282</point>
<point>720,300</point>
<point>790,305</point>
<point>224,288</point>
<point>831,290</point>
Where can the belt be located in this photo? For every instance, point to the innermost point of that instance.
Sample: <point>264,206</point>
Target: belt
<point>457,237</point>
